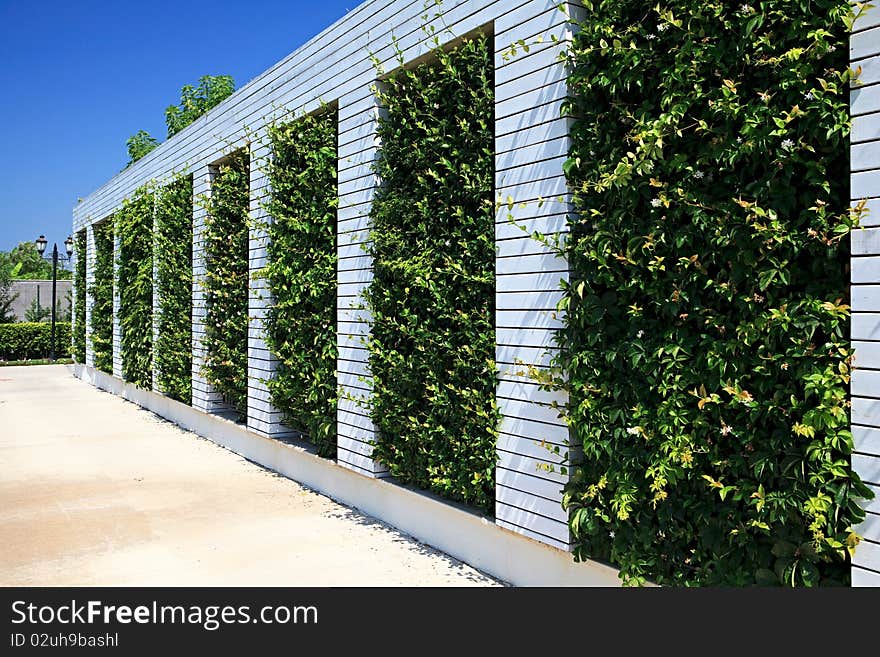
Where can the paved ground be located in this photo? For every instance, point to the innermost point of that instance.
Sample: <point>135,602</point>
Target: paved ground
<point>97,491</point>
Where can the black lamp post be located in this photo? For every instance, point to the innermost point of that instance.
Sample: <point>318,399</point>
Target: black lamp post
<point>41,247</point>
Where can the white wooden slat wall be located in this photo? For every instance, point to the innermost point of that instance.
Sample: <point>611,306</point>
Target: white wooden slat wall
<point>357,143</point>
<point>529,90</point>
<point>204,398</point>
<point>865,278</point>
<point>117,326</point>
<point>263,417</point>
<point>90,280</point>
<point>156,308</point>
<point>531,142</point>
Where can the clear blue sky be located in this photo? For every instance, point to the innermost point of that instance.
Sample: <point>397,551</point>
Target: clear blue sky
<point>78,77</point>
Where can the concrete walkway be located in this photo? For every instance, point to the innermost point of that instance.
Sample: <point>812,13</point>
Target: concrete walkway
<point>97,491</point>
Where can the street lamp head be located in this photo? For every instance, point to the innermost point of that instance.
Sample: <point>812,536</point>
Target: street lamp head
<point>68,243</point>
<point>41,244</point>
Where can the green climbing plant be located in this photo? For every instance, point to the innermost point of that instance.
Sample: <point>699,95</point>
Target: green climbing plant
<point>134,272</point>
<point>79,312</point>
<point>432,298</point>
<point>226,251</point>
<point>101,291</point>
<point>174,278</point>
<point>301,275</point>
<point>706,351</point>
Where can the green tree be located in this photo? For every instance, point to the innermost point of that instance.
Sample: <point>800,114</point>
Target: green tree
<point>7,297</point>
<point>24,262</point>
<point>195,101</point>
<point>64,308</point>
<point>139,144</point>
<point>37,313</point>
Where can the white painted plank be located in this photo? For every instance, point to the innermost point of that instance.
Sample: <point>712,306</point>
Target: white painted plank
<point>868,467</point>
<point>869,18</point>
<point>868,70</point>
<point>867,555</point>
<point>864,578</point>
<point>865,241</point>
<point>527,519</point>
<point>866,440</point>
<point>865,128</point>
<point>865,326</point>
<point>865,298</point>
<point>865,183</point>
<point>538,505</point>
<point>864,44</point>
<point>866,411</point>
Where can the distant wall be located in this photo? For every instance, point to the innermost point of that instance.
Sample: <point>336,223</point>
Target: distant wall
<point>28,290</point>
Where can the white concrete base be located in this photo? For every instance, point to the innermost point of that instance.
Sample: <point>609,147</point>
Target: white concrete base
<point>459,532</point>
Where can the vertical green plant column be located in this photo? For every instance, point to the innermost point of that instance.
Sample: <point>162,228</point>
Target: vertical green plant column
<point>226,244</point>
<point>173,352</point>
<point>432,299</point>
<point>134,225</point>
<point>101,292</point>
<point>706,348</point>
<point>79,302</point>
<point>301,275</point>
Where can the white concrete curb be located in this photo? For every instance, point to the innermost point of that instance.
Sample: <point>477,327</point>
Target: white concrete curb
<point>461,533</point>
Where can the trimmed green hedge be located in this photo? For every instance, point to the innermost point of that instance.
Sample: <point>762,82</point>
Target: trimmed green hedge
<point>173,351</point>
<point>33,340</point>
<point>706,348</point>
<point>301,275</point>
<point>101,292</point>
<point>134,224</point>
<point>79,302</point>
<point>432,298</point>
<point>226,243</point>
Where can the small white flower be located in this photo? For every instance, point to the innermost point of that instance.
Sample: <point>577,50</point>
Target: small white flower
<point>746,9</point>
<point>632,431</point>
<point>640,333</point>
<point>809,95</point>
<point>650,37</point>
<point>656,202</point>
<point>787,143</point>
<point>698,175</point>
<point>726,430</point>
<point>739,140</point>
<point>662,27</point>
<point>611,534</point>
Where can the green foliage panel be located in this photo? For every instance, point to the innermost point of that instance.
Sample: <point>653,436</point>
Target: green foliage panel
<point>226,246</point>
<point>173,353</point>
<point>134,225</point>
<point>79,304</point>
<point>706,345</point>
<point>301,275</point>
<point>101,292</point>
<point>28,341</point>
<point>432,345</point>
